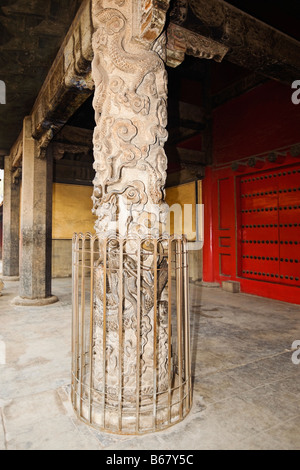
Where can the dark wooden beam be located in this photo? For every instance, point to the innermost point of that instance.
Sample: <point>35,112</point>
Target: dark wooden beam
<point>251,43</point>
<point>69,82</point>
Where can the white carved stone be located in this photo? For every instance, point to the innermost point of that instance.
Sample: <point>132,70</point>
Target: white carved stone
<point>131,115</point>
<point>129,199</point>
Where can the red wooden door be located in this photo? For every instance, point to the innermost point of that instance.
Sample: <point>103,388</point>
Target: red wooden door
<point>269,226</point>
<point>225,229</point>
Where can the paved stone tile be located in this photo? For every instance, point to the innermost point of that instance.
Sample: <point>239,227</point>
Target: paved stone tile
<point>109,441</point>
<point>40,422</point>
<point>2,433</point>
<point>246,389</point>
<point>150,442</point>
<point>287,434</point>
<point>261,441</point>
<point>281,405</point>
<point>255,374</point>
<point>56,434</point>
<point>290,384</point>
<point>239,418</point>
<point>218,387</point>
<point>282,365</point>
<point>206,363</point>
<point>27,411</point>
<point>103,440</point>
<point>201,433</point>
<point>16,383</point>
<point>37,350</point>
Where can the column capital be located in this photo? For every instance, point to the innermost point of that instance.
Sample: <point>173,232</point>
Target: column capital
<point>146,17</point>
<point>181,41</point>
<point>15,173</point>
<point>41,144</point>
<point>17,176</point>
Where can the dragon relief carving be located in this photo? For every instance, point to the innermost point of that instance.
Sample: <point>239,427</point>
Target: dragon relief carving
<point>131,82</point>
<point>131,356</point>
<point>130,105</point>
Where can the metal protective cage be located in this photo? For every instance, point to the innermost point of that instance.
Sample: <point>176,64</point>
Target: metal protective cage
<point>131,371</point>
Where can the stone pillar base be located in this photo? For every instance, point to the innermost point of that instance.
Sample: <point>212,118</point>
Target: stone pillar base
<point>212,285</point>
<point>131,361</point>
<point>9,278</point>
<point>19,301</point>
<point>109,419</point>
<point>231,286</point>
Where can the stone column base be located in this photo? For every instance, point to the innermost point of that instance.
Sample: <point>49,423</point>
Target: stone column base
<point>212,285</point>
<point>231,286</point>
<point>131,361</point>
<point>109,419</point>
<point>9,278</point>
<point>19,301</point>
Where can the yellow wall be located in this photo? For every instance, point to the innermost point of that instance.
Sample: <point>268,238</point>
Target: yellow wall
<point>200,193</point>
<point>184,194</point>
<point>72,210</point>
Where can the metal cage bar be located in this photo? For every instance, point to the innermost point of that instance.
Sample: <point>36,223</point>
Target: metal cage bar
<point>131,371</point>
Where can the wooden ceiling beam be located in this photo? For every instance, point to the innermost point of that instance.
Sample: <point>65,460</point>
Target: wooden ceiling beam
<point>251,43</point>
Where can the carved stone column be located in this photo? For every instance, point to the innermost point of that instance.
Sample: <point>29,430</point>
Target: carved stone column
<point>131,115</point>
<point>131,369</point>
<point>130,163</point>
<point>11,215</point>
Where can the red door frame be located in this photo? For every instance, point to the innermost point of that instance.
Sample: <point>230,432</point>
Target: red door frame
<point>215,251</point>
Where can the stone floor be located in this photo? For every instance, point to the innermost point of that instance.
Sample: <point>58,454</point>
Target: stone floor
<point>246,387</point>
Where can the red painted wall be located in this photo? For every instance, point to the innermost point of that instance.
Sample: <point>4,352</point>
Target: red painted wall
<point>256,123</point>
<point>222,240</point>
<point>1,230</point>
<point>259,121</point>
